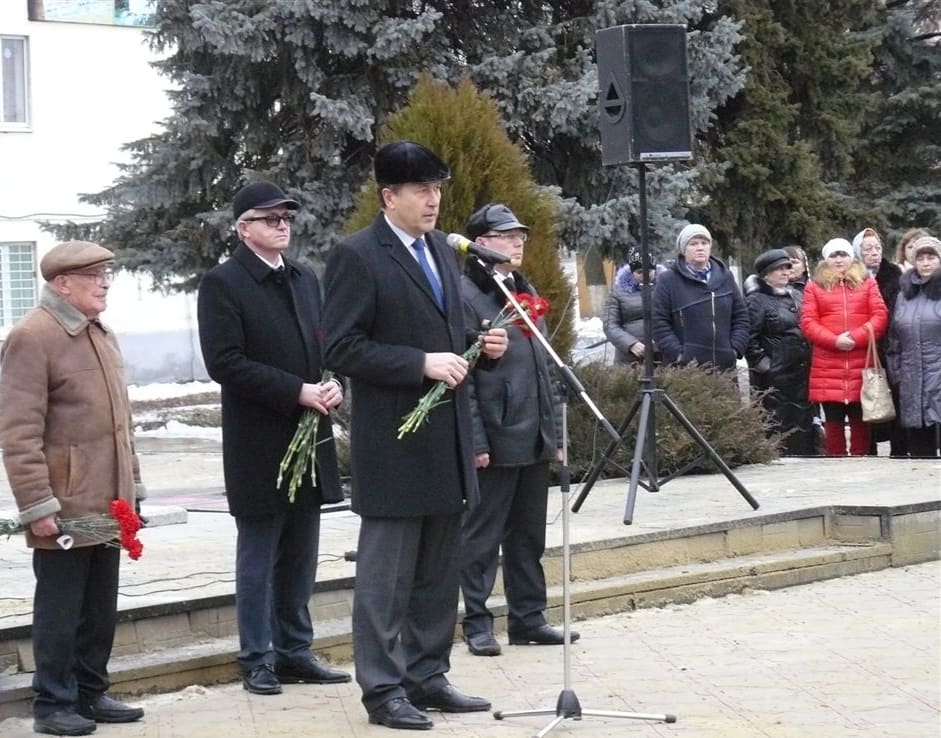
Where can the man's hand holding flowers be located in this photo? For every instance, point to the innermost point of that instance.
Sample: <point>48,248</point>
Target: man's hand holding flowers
<point>494,342</point>
<point>322,396</point>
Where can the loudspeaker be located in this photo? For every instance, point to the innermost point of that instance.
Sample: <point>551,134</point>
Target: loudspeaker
<point>643,94</point>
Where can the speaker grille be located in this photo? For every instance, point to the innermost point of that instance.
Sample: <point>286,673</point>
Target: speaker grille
<point>642,70</point>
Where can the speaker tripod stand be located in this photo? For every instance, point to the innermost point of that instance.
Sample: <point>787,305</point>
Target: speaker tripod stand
<point>567,705</point>
<point>645,446</point>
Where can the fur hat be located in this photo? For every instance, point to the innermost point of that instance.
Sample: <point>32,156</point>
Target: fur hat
<point>401,162</point>
<point>835,245</point>
<point>687,234</point>
<point>72,256</point>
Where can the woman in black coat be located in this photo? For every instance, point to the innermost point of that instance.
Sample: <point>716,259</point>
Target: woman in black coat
<point>778,354</point>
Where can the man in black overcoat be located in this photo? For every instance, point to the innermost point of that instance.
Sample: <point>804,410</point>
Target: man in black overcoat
<point>259,322</point>
<point>393,324</point>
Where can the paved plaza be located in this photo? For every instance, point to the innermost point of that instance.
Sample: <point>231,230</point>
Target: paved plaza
<point>855,657</point>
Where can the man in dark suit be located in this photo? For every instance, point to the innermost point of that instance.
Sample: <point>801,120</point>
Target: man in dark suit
<point>394,325</point>
<point>259,321</point>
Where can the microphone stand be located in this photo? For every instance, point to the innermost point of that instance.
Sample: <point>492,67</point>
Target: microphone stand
<point>567,706</point>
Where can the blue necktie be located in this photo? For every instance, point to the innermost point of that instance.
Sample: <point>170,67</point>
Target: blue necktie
<point>419,247</point>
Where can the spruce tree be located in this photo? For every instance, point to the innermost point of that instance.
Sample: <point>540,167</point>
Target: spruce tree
<point>792,130</point>
<point>464,128</point>
<point>897,182</point>
<point>296,92</point>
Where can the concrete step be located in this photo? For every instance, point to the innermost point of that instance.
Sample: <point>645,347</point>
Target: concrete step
<point>212,660</point>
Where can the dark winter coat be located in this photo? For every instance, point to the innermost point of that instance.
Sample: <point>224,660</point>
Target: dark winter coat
<point>259,336</point>
<point>65,420</point>
<point>779,361</point>
<point>834,305</point>
<point>914,350</point>
<point>706,322</point>
<point>887,277</point>
<point>513,402</point>
<point>380,319</point>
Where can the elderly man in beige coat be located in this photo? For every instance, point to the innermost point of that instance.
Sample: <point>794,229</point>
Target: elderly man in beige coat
<point>68,449</point>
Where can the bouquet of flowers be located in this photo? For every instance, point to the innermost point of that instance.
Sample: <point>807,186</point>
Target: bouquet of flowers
<point>302,450</point>
<point>533,305</point>
<point>118,529</point>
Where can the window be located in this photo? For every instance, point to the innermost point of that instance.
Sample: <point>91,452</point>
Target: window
<point>17,281</point>
<point>106,12</point>
<point>13,81</point>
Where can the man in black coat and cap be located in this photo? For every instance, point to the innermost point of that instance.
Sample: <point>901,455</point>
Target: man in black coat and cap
<point>259,322</point>
<point>394,326</point>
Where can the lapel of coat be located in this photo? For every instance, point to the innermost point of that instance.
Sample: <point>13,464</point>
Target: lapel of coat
<point>400,254</point>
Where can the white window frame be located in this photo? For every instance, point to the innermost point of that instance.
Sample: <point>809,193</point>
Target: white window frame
<point>10,311</point>
<point>24,124</point>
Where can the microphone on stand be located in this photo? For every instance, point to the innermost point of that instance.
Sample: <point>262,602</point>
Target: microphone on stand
<point>465,246</point>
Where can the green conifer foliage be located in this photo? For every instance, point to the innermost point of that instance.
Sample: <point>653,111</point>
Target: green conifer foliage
<point>463,126</point>
<point>897,182</point>
<point>792,130</point>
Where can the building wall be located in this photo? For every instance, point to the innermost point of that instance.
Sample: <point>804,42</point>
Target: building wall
<point>91,89</point>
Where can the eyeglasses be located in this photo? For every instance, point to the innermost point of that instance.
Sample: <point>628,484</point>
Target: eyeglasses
<point>273,221</point>
<point>507,236</point>
<point>101,276</point>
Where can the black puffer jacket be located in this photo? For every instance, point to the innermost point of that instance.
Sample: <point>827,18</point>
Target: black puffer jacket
<point>778,354</point>
<point>914,350</point>
<point>779,361</point>
<point>706,322</point>
<point>515,413</point>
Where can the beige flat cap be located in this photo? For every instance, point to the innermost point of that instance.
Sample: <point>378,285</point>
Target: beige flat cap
<point>72,256</point>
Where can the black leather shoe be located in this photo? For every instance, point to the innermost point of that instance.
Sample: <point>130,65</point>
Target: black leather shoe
<point>105,709</point>
<point>401,714</point>
<point>64,722</point>
<point>310,671</point>
<point>262,680</point>
<point>449,699</point>
<point>483,644</point>
<point>542,635</point>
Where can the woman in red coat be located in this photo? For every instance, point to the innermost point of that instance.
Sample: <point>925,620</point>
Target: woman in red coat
<point>839,305</point>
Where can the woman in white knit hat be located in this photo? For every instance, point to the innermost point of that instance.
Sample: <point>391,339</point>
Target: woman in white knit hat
<point>840,305</point>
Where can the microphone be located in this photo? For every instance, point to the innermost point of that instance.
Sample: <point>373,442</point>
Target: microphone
<point>465,246</point>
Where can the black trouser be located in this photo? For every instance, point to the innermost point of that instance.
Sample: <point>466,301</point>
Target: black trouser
<point>924,441</point>
<point>74,614</point>
<point>511,514</point>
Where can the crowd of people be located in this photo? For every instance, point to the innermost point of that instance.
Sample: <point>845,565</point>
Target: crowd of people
<point>804,333</point>
<point>439,503</point>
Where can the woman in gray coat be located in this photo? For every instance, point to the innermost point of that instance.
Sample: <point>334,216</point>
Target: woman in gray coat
<point>914,350</point>
<point>624,313</point>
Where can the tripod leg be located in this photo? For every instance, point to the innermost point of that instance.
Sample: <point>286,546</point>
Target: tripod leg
<point>639,446</point>
<point>599,465</point>
<point>709,450</point>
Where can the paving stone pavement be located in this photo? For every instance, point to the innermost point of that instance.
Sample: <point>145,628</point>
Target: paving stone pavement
<point>847,658</point>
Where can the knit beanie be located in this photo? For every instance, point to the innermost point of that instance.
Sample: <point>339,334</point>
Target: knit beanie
<point>837,244</point>
<point>926,245</point>
<point>687,234</point>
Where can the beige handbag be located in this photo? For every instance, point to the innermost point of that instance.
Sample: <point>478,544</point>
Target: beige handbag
<point>875,397</point>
